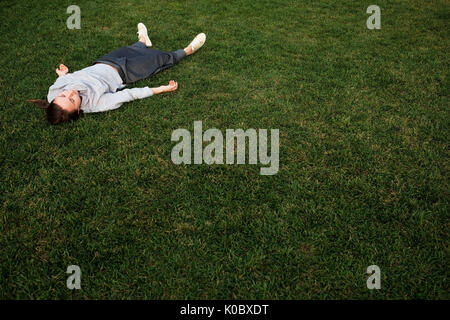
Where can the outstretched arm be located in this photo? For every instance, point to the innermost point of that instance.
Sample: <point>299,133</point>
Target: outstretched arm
<point>62,70</point>
<point>110,101</point>
<point>173,85</point>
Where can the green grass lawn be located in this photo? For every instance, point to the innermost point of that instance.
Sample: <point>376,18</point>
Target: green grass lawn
<point>364,172</point>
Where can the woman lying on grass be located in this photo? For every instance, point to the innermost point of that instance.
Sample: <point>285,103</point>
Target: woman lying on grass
<point>95,88</point>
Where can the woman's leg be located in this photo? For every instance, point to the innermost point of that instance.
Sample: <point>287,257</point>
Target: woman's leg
<point>152,61</point>
<point>137,62</point>
<point>147,62</point>
<point>188,50</point>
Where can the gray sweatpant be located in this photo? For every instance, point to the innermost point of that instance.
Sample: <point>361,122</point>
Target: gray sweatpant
<point>137,62</point>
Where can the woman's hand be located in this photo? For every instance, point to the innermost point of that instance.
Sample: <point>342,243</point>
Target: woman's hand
<point>172,86</point>
<point>62,70</point>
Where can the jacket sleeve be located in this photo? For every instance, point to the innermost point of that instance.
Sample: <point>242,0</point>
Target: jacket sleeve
<point>110,101</point>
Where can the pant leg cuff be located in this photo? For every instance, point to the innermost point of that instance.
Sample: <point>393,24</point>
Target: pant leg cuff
<point>139,44</point>
<point>179,54</point>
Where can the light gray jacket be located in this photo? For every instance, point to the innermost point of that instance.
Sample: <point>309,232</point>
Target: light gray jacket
<point>97,85</point>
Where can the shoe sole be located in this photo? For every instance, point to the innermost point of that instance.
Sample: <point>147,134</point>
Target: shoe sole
<point>142,27</point>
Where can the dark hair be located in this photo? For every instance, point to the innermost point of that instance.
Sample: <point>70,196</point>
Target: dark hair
<point>56,114</point>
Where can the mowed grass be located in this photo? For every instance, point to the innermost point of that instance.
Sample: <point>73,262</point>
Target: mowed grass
<point>364,172</point>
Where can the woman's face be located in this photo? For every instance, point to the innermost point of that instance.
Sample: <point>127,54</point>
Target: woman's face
<point>68,100</point>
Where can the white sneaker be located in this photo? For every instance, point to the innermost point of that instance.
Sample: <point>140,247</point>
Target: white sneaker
<point>198,42</point>
<point>142,31</point>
